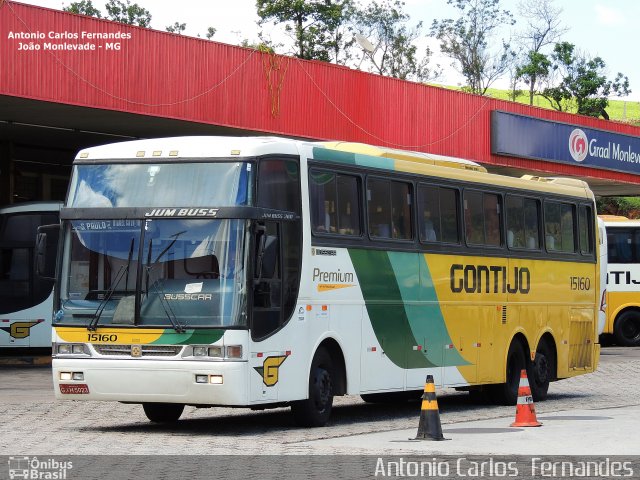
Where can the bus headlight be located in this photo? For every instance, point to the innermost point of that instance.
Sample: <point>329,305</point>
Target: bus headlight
<point>71,349</point>
<point>200,351</point>
<point>216,352</point>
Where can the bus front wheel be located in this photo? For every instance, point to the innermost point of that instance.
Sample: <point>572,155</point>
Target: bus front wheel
<point>627,329</point>
<point>315,410</point>
<point>163,412</point>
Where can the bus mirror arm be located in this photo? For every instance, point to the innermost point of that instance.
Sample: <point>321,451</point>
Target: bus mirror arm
<point>46,250</point>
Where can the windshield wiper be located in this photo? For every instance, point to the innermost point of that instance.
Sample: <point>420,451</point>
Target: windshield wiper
<point>124,270</point>
<point>177,326</point>
<point>163,301</point>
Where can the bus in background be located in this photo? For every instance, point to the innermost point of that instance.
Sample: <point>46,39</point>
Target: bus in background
<point>26,299</point>
<point>603,251</point>
<point>623,279</point>
<point>263,272</point>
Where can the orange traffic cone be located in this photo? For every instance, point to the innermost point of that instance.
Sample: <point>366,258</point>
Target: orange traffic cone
<point>525,411</point>
<point>429,427</point>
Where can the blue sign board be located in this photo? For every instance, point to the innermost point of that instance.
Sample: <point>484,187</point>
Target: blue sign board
<point>528,137</point>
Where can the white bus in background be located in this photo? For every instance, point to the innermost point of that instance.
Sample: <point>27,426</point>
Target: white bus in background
<point>623,279</point>
<point>604,263</point>
<point>26,300</point>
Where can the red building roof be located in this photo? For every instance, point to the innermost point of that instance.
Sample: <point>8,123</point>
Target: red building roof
<point>62,58</point>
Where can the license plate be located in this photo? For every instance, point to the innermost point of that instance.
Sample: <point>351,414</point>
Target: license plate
<point>75,389</point>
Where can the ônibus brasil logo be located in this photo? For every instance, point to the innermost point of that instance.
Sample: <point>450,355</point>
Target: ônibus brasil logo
<point>578,145</point>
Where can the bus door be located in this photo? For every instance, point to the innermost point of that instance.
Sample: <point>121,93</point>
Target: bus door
<point>267,352</point>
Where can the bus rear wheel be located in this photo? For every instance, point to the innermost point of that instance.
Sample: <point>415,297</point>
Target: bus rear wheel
<point>627,329</point>
<point>543,371</point>
<point>507,393</point>
<point>315,410</point>
<point>163,412</point>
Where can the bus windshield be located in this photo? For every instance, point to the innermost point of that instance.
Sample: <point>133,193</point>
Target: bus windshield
<point>219,184</point>
<point>166,273</point>
<point>19,287</point>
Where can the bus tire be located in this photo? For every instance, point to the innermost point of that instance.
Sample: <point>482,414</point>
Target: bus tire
<point>627,329</point>
<point>163,412</point>
<point>543,371</point>
<point>315,410</point>
<point>507,393</point>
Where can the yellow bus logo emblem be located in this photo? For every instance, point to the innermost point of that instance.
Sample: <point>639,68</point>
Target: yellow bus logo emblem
<point>270,369</point>
<point>20,329</point>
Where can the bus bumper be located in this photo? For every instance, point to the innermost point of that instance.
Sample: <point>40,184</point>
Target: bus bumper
<point>151,381</point>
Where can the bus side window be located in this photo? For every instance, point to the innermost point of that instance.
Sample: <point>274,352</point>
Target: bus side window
<point>322,190</point>
<point>378,203</point>
<point>334,203</point>
<point>585,227</point>
<point>482,218</point>
<point>522,222</point>
<point>401,207</point>
<point>559,227</point>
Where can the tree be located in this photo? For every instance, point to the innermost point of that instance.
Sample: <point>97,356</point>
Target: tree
<point>543,29</point>
<point>83,7</point>
<point>177,28</point>
<point>468,41</point>
<point>210,33</point>
<point>122,12</point>
<point>395,54</point>
<point>583,85</point>
<point>536,67</point>
<point>117,10</point>
<point>313,24</point>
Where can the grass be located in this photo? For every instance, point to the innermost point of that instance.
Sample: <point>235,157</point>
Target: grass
<point>620,110</point>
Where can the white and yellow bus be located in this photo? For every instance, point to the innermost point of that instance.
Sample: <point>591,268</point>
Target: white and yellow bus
<point>623,279</point>
<point>264,272</point>
<point>26,299</point>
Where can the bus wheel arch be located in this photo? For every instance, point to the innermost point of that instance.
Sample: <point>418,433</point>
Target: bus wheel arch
<point>326,379</point>
<point>516,360</point>
<point>626,327</point>
<point>544,368</point>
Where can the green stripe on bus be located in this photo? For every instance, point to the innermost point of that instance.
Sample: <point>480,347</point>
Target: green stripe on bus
<point>385,308</point>
<point>190,337</point>
<point>422,307</point>
<point>329,155</point>
<point>336,156</point>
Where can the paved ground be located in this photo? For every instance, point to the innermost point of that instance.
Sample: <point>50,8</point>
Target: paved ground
<point>36,424</point>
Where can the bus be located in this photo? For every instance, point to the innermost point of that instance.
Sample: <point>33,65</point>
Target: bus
<point>623,280</point>
<point>26,300</point>
<point>268,272</point>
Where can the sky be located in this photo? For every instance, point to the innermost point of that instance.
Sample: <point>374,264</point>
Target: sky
<point>605,28</point>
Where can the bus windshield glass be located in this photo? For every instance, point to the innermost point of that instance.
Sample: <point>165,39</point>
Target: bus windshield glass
<point>19,287</point>
<point>219,184</point>
<point>166,273</point>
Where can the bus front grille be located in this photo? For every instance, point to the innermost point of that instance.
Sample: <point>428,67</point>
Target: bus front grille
<point>138,350</point>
